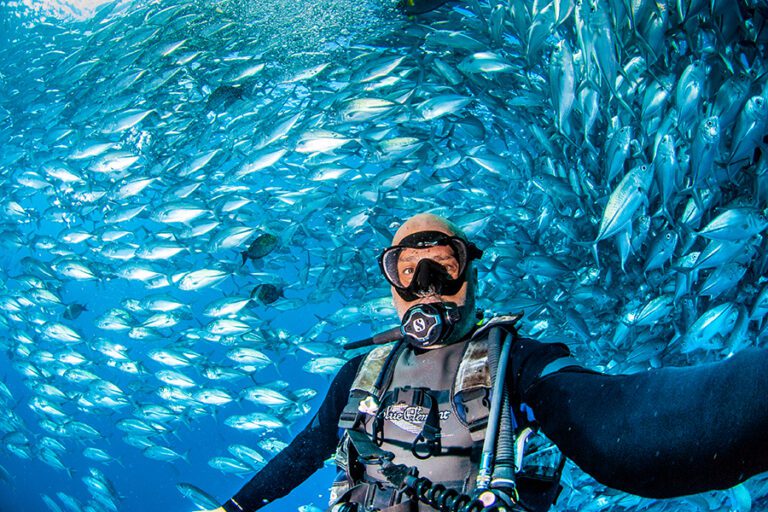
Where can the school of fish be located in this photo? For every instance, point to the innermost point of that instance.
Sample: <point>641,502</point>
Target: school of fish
<point>182,179</point>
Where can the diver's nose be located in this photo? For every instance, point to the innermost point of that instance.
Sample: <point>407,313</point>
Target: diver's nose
<point>430,277</point>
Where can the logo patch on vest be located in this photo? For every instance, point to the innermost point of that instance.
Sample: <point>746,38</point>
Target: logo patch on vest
<point>410,418</point>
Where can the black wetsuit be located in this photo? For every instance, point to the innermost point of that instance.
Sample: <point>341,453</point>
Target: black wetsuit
<point>661,433</point>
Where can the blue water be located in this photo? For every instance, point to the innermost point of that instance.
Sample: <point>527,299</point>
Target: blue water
<point>142,483</point>
<point>217,79</point>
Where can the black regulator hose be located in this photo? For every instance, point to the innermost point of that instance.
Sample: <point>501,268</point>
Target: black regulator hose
<point>381,338</point>
<point>499,446</point>
<point>440,498</point>
<point>504,468</point>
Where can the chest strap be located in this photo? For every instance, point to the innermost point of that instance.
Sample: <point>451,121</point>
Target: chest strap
<point>368,453</point>
<point>427,442</point>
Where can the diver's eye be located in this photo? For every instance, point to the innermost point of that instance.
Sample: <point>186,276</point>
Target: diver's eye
<point>406,275</point>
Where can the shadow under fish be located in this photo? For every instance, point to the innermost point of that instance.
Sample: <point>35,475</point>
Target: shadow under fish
<point>223,97</point>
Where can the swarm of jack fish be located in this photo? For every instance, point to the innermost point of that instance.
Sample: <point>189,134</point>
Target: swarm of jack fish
<point>180,180</point>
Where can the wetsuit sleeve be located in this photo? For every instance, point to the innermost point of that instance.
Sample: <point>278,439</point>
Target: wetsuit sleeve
<point>661,433</point>
<point>529,358</point>
<point>306,453</point>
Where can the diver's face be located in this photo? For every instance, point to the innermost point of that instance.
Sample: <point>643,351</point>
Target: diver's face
<point>441,254</point>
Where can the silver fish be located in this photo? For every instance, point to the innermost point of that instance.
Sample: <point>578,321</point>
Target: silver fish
<point>562,83</point>
<point>704,150</point>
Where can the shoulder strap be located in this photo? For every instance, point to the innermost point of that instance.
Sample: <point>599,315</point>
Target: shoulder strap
<point>505,321</point>
<point>472,385</point>
<point>371,378</point>
<point>471,388</point>
<point>371,367</point>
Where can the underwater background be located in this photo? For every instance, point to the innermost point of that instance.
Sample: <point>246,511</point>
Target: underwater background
<point>193,195</point>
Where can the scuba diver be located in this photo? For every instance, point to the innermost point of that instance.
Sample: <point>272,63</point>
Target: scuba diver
<point>464,414</point>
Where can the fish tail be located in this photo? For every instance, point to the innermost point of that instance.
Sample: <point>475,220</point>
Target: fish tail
<point>567,137</point>
<point>593,245</point>
<point>663,211</point>
<point>595,254</point>
<point>590,147</point>
<point>624,104</point>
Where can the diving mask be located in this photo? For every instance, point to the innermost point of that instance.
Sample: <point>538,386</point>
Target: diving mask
<point>428,262</point>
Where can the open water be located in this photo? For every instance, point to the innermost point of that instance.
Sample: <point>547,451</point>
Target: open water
<point>193,195</point>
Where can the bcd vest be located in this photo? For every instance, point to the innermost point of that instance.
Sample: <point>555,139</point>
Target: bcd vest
<point>430,410</point>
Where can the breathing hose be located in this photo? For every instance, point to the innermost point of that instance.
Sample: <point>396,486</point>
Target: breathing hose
<point>381,338</point>
<point>504,469</point>
<point>499,442</point>
<point>441,498</point>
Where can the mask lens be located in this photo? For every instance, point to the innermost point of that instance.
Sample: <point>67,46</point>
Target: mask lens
<point>399,263</point>
<point>389,266</point>
<point>411,258</point>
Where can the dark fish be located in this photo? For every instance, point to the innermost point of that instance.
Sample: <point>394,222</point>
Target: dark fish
<point>562,84</point>
<point>704,150</point>
<point>263,245</point>
<point>411,8</point>
<point>73,311</point>
<point>617,152</point>
<point>266,293</point>
<point>661,250</point>
<point>749,129</point>
<point>688,94</point>
<point>655,99</point>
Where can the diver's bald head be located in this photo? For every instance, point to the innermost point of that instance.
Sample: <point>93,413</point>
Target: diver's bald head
<point>465,297</point>
<point>426,222</point>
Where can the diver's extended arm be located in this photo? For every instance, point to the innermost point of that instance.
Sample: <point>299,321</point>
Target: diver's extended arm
<point>304,455</point>
<point>661,433</point>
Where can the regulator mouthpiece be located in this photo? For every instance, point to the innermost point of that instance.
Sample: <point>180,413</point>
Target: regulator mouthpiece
<point>426,325</point>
